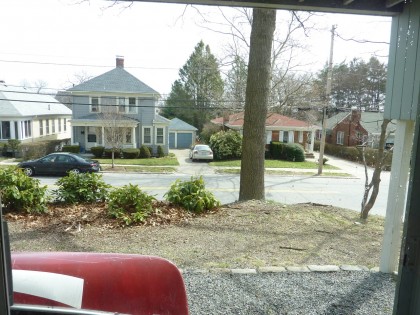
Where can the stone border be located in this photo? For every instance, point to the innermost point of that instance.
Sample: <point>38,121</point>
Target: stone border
<point>279,269</point>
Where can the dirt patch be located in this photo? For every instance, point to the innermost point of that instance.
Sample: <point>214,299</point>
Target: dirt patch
<point>250,234</point>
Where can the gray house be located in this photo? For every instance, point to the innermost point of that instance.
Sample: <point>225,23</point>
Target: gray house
<point>117,100</point>
<point>181,134</point>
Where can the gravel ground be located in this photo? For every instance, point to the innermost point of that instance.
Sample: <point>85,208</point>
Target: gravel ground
<point>343,292</point>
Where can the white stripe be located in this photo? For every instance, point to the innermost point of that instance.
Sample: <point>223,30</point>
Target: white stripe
<point>57,287</point>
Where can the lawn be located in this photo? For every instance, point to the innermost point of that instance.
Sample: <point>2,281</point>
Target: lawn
<point>276,164</point>
<point>164,161</point>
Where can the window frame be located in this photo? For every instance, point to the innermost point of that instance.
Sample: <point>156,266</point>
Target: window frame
<point>157,135</point>
<point>92,105</point>
<point>340,138</point>
<point>144,134</point>
<point>132,107</point>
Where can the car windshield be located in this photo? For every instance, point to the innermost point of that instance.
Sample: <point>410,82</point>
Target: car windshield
<point>202,147</point>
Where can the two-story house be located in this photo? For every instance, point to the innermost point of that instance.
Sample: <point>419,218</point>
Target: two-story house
<point>29,116</point>
<point>117,98</point>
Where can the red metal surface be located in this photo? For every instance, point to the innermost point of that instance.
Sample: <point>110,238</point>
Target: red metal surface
<point>130,284</point>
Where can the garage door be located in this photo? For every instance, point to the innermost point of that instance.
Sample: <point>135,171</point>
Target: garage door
<point>172,140</point>
<point>184,140</point>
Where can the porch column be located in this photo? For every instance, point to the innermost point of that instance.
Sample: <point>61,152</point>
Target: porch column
<point>311,147</point>
<point>72,135</point>
<point>133,137</point>
<point>397,192</point>
<point>103,136</point>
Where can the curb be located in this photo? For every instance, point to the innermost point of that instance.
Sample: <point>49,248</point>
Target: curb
<point>279,269</point>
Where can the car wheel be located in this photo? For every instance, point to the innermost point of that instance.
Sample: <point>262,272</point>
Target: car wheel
<point>74,171</point>
<point>29,171</point>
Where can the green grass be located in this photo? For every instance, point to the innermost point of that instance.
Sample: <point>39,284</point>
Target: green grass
<point>276,164</point>
<point>164,161</point>
<point>138,169</point>
<point>283,172</point>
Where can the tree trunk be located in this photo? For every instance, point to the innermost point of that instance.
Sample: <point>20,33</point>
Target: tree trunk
<point>256,100</point>
<point>376,177</point>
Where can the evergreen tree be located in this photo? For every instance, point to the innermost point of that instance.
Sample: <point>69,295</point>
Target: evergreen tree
<point>199,89</point>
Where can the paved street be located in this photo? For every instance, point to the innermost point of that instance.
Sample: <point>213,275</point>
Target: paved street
<point>336,191</point>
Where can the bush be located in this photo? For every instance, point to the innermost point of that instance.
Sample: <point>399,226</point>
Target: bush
<point>191,195</point>
<point>84,187</point>
<point>144,152</point>
<point>209,129</point>
<point>287,151</point>
<point>98,152</point>
<point>151,151</point>
<point>71,148</point>
<point>108,153</point>
<point>40,148</point>
<point>22,193</point>
<point>13,144</point>
<point>226,145</point>
<point>131,153</point>
<point>130,204</point>
<point>160,152</point>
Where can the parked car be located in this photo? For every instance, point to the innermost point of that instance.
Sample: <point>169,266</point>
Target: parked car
<point>201,152</point>
<point>58,164</point>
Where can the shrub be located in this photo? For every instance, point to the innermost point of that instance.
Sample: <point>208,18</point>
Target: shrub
<point>209,129</point>
<point>191,195</point>
<point>40,148</point>
<point>151,151</point>
<point>144,152</point>
<point>22,193</point>
<point>98,152</point>
<point>13,144</point>
<point>108,153</point>
<point>287,151</point>
<point>226,145</point>
<point>84,187</point>
<point>131,153</point>
<point>130,204</point>
<point>160,152</point>
<point>71,148</point>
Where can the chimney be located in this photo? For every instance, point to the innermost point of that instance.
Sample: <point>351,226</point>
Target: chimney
<point>120,62</point>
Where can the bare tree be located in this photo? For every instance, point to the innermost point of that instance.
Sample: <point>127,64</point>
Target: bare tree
<point>117,128</point>
<point>372,188</point>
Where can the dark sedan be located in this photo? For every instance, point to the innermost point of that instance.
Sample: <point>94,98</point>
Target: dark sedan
<point>59,164</point>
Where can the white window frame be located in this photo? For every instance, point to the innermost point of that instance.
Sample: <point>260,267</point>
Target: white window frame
<point>92,106</point>
<point>340,137</point>
<point>59,124</point>
<point>122,108</point>
<point>132,108</point>
<point>156,136</point>
<point>47,126</point>
<point>300,136</point>
<point>41,127</point>
<point>151,134</point>
<point>53,126</point>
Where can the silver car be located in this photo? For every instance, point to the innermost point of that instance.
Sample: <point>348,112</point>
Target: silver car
<point>201,152</point>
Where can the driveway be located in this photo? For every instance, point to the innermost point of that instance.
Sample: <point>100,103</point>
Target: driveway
<point>186,166</point>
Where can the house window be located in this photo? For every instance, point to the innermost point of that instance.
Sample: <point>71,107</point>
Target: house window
<point>147,135</point>
<point>91,134</point>
<point>132,104</point>
<point>26,129</point>
<point>285,136</point>
<point>159,136</point>
<point>65,124</point>
<point>128,136</point>
<point>16,130</point>
<point>340,137</point>
<point>47,126</point>
<point>53,126</point>
<point>121,105</point>
<point>94,105</point>
<point>300,136</point>
<point>41,128</point>
<point>59,124</point>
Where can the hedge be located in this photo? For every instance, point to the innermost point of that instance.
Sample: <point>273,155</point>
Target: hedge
<point>287,151</point>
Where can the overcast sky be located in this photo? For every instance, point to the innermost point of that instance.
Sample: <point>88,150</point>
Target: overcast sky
<point>52,40</point>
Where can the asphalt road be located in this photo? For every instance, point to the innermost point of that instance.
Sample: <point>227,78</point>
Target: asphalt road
<point>339,192</point>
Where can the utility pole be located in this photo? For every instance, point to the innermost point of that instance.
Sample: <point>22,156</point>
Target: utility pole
<point>327,103</point>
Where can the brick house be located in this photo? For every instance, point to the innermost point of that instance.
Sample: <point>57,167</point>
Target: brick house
<point>355,128</point>
<point>277,128</point>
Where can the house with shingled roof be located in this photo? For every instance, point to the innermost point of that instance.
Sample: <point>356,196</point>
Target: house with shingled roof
<point>352,128</point>
<point>277,128</point>
<point>117,94</point>
<point>29,116</point>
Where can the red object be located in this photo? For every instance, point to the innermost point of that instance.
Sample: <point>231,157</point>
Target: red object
<point>130,284</point>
